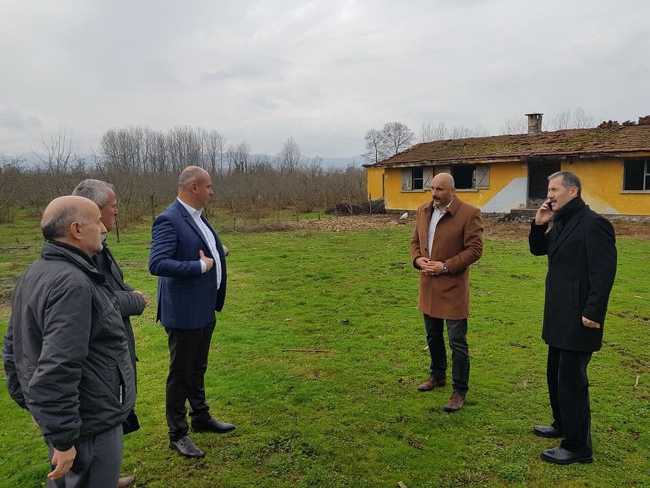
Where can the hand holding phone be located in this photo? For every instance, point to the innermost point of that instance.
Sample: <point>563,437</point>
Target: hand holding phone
<point>544,213</point>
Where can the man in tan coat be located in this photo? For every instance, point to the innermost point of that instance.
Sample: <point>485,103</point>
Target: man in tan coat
<point>446,241</point>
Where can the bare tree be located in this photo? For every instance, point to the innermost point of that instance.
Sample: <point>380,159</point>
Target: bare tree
<point>517,125</point>
<point>374,146</point>
<point>572,119</point>
<point>214,150</point>
<point>58,153</point>
<point>238,158</point>
<point>290,157</point>
<point>581,120</point>
<point>430,133</point>
<point>462,132</point>
<point>396,137</point>
<point>561,120</point>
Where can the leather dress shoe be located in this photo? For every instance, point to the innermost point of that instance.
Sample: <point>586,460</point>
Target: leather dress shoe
<point>186,447</point>
<point>547,431</point>
<point>125,481</point>
<point>432,383</point>
<point>212,425</point>
<point>559,455</point>
<point>455,403</point>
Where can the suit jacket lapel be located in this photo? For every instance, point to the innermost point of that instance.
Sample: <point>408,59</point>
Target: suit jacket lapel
<point>566,231</point>
<point>222,255</point>
<point>190,221</point>
<point>214,234</point>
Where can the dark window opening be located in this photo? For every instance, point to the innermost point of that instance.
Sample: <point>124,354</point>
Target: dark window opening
<point>463,176</point>
<point>538,173</point>
<point>417,178</point>
<point>637,175</point>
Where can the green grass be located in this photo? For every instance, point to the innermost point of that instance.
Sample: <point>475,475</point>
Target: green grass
<point>350,416</point>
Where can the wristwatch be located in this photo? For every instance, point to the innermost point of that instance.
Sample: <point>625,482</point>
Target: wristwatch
<point>445,268</point>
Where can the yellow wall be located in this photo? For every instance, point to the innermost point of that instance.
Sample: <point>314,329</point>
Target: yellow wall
<point>602,188</point>
<point>602,183</point>
<point>375,183</point>
<point>500,175</point>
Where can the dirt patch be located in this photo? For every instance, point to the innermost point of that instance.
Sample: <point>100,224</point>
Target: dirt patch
<point>639,230</point>
<point>495,228</point>
<point>356,222</point>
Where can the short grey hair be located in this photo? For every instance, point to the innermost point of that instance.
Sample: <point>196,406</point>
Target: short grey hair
<point>189,175</point>
<point>57,226</point>
<point>568,179</point>
<point>96,190</point>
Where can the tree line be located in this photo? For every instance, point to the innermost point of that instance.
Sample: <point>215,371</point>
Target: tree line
<point>144,165</point>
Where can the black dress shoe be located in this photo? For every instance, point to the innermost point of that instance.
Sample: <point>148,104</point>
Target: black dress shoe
<point>559,455</point>
<point>186,447</point>
<point>547,431</point>
<point>212,425</point>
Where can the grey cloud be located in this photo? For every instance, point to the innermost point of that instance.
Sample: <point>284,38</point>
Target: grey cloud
<point>253,70</point>
<point>322,72</point>
<point>15,120</point>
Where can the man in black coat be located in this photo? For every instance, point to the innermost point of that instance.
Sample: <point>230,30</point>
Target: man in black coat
<point>130,301</point>
<point>581,267</point>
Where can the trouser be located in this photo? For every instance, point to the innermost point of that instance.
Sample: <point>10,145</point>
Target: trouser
<point>568,388</point>
<point>457,331</point>
<point>188,361</point>
<point>97,464</point>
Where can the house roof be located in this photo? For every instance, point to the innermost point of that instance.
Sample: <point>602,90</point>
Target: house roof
<point>561,143</point>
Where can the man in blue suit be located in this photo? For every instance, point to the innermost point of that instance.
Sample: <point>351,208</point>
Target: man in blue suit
<point>189,260</point>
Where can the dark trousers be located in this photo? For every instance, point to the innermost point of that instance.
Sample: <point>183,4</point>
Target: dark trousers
<point>188,361</point>
<point>568,388</point>
<point>97,464</point>
<point>457,332</point>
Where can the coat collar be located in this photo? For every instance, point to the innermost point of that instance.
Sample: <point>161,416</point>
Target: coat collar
<point>569,226</point>
<point>60,251</point>
<point>194,212</point>
<point>180,208</point>
<point>452,207</point>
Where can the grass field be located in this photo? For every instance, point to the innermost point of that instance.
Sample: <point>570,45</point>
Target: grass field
<point>349,415</point>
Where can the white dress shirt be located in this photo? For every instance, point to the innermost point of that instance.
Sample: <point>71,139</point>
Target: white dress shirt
<point>437,214</point>
<point>209,238</point>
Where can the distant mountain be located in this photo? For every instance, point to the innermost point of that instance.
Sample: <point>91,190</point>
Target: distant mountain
<point>342,162</point>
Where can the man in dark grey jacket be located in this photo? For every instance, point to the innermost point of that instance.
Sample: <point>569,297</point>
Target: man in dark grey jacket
<point>130,301</point>
<point>66,353</point>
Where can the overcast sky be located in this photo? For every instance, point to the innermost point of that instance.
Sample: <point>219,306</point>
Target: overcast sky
<point>323,72</point>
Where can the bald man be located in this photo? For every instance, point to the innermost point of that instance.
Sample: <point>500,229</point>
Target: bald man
<point>189,259</point>
<point>446,241</point>
<point>66,354</point>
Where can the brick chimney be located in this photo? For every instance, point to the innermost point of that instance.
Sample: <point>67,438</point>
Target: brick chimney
<point>534,123</point>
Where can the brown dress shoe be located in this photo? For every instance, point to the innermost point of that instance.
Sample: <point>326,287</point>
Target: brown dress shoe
<point>432,383</point>
<point>125,481</point>
<point>455,403</point>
